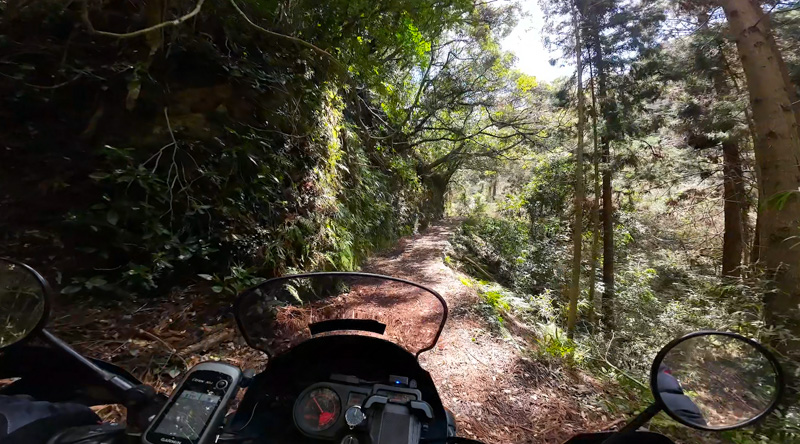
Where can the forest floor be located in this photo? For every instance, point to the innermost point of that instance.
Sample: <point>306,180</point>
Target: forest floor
<point>487,376</point>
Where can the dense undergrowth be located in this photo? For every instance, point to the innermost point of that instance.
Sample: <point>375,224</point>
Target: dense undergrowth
<point>519,265</point>
<point>657,301</point>
<point>132,166</point>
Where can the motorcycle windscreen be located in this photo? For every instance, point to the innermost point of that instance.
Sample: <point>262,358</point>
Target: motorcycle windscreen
<point>283,312</point>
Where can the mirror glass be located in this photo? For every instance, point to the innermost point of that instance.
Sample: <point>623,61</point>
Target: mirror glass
<point>22,303</point>
<point>716,381</point>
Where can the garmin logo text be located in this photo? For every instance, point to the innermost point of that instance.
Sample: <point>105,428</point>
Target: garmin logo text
<point>170,440</point>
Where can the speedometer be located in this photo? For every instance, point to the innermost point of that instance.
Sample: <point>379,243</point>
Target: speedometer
<point>317,410</point>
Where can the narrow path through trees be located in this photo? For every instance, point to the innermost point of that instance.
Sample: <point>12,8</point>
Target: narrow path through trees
<point>496,393</point>
<point>499,394</point>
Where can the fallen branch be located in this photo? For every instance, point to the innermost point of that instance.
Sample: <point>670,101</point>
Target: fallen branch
<point>519,327</point>
<point>613,424</point>
<point>56,86</point>
<point>605,358</point>
<point>621,371</point>
<point>88,23</point>
<point>479,360</point>
<point>156,338</point>
<point>209,341</point>
<point>170,348</point>
<point>481,269</point>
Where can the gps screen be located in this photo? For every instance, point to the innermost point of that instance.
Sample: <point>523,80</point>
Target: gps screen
<point>188,415</point>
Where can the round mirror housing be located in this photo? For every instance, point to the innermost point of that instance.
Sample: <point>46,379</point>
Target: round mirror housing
<point>24,304</point>
<point>716,380</point>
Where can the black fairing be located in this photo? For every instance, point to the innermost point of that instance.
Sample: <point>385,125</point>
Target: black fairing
<point>265,413</point>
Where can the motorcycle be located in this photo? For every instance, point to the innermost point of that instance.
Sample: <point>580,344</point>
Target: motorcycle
<point>342,367</point>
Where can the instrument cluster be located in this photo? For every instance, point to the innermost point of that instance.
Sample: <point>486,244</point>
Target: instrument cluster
<point>325,410</point>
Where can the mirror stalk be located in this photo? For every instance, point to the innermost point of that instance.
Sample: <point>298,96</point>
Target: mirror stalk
<point>634,425</point>
<point>118,386</point>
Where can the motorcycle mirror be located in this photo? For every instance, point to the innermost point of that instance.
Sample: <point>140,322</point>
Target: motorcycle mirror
<point>24,304</point>
<point>716,380</point>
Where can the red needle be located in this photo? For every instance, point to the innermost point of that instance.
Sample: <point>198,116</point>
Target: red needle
<point>317,403</point>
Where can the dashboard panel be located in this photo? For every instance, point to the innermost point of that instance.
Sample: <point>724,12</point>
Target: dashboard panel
<point>266,412</point>
<point>319,410</point>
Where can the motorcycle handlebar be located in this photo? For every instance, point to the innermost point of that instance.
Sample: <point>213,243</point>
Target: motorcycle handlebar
<point>116,384</point>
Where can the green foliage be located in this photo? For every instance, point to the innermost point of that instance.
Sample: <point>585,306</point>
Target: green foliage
<point>663,290</point>
<point>554,342</point>
<point>546,194</point>
<point>502,250</point>
<point>236,155</point>
<point>239,206</point>
<point>237,281</point>
<point>539,311</point>
<point>495,299</point>
<point>220,148</point>
<point>505,236</point>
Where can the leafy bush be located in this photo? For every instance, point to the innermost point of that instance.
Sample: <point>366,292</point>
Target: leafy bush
<point>501,249</point>
<point>227,154</point>
<point>659,296</point>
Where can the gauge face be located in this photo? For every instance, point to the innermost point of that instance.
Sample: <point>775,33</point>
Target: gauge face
<point>317,410</point>
<point>354,416</point>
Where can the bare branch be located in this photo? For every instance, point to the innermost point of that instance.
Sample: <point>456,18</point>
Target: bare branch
<point>794,7</point>
<point>127,35</point>
<point>300,42</point>
<point>422,85</point>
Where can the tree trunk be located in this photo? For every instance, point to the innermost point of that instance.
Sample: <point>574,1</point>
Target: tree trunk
<point>751,130</point>
<point>734,194</point>
<point>794,101</point>
<point>608,203</point>
<point>596,207</point>
<point>777,151</point>
<point>436,178</point>
<point>608,241</point>
<point>154,12</point>
<point>577,227</point>
<point>437,188</point>
<point>755,250</point>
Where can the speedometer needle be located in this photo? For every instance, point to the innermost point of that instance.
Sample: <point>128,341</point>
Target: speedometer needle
<point>317,403</point>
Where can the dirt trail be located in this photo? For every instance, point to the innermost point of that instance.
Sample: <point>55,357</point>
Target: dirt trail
<point>497,395</point>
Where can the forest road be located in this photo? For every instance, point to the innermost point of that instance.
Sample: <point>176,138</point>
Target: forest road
<point>497,395</point>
